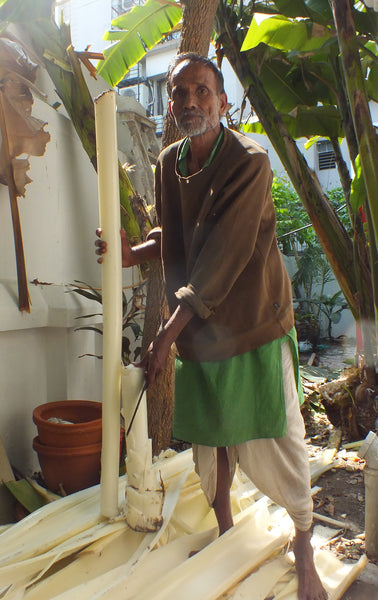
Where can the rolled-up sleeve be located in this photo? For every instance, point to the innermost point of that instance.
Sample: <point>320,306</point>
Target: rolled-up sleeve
<point>189,296</point>
<point>154,234</point>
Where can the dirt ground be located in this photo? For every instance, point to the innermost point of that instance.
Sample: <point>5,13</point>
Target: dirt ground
<point>342,497</point>
<point>342,493</point>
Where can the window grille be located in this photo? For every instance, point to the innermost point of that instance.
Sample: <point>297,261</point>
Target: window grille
<point>326,155</point>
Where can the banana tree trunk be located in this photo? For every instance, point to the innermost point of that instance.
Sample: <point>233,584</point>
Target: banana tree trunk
<point>197,26</point>
<point>355,84</point>
<point>367,147</point>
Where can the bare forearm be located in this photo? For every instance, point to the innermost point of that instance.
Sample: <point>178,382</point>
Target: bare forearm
<point>157,354</point>
<point>144,252</point>
<point>177,322</point>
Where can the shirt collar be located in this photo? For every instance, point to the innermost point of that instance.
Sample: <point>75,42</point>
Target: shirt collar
<point>182,162</point>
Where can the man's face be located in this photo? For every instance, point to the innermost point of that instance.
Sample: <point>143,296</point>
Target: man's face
<point>195,103</point>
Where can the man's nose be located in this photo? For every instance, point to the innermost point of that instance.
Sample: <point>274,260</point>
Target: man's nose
<point>190,100</point>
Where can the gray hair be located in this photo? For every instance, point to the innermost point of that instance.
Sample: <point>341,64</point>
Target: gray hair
<point>194,57</point>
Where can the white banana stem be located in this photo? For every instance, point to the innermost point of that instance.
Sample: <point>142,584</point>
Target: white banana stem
<point>110,223</point>
<point>144,491</point>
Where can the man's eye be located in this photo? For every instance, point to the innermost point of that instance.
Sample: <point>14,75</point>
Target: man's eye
<point>178,93</point>
<point>202,91</point>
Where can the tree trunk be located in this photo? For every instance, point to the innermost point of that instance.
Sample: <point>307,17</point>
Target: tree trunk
<point>197,26</point>
<point>368,151</point>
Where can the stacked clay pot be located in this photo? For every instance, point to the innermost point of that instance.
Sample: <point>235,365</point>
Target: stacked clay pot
<point>69,444</point>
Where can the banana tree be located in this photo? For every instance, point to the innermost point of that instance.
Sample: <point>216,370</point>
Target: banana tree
<point>36,34</point>
<point>292,73</point>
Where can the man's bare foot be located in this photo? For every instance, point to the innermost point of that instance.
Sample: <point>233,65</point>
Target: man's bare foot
<point>309,585</point>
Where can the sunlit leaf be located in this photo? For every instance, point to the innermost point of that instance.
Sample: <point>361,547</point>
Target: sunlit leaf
<point>286,34</point>
<point>142,28</point>
<point>358,189</point>
<point>372,82</point>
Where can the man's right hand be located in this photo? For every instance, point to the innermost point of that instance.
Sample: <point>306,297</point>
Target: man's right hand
<point>156,357</point>
<point>102,247</point>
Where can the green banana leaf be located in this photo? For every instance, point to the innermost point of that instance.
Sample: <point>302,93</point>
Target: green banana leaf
<point>323,121</point>
<point>318,10</point>
<point>26,494</point>
<point>358,188</point>
<point>142,28</point>
<point>285,34</point>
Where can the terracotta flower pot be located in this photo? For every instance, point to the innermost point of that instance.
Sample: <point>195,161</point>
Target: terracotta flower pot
<point>73,469</point>
<point>84,427</point>
<point>69,443</point>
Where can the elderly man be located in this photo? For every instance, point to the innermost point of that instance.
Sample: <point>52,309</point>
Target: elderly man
<point>237,376</point>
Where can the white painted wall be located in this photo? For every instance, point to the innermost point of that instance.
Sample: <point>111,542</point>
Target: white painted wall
<point>39,352</point>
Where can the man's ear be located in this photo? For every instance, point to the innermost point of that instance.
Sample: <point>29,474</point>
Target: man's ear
<point>170,109</point>
<point>222,103</point>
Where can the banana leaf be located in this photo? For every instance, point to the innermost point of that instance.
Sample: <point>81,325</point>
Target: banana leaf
<point>139,30</point>
<point>285,34</point>
<point>26,494</point>
<point>318,10</point>
<point>307,121</point>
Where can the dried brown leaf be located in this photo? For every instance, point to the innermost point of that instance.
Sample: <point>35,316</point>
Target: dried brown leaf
<point>24,133</point>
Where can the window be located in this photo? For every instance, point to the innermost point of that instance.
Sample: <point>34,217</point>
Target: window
<point>326,155</point>
<point>121,6</point>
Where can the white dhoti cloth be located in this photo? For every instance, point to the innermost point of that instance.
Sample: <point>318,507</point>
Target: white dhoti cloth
<point>279,467</point>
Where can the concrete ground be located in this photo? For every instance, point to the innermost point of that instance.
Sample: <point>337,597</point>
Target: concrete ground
<point>366,585</point>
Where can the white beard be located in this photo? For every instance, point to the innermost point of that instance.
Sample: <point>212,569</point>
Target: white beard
<point>194,124</point>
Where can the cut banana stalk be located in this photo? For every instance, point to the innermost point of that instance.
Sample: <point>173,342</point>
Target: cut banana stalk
<point>144,490</point>
<point>63,527</point>
<point>117,563</point>
<point>111,276</point>
<point>223,563</point>
<point>335,575</point>
<point>259,584</point>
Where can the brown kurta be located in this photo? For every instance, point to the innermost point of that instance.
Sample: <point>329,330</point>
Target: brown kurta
<point>220,253</point>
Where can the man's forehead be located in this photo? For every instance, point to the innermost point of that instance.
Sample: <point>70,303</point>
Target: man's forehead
<point>192,72</point>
